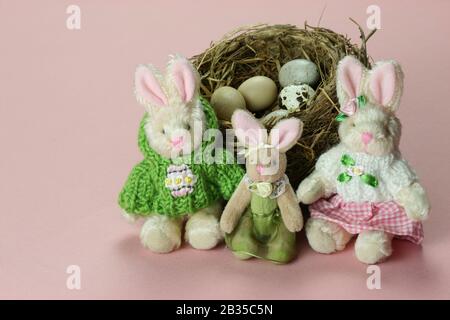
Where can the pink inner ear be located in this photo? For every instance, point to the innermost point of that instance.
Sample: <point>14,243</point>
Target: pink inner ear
<point>350,73</point>
<point>247,129</point>
<point>148,88</point>
<point>286,133</point>
<point>184,78</point>
<point>382,83</point>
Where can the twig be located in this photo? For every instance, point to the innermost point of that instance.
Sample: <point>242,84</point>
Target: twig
<point>363,53</point>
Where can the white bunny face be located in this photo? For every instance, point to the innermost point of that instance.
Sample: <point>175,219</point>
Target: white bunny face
<point>266,158</point>
<point>176,121</point>
<point>368,102</point>
<point>176,132</point>
<point>371,130</point>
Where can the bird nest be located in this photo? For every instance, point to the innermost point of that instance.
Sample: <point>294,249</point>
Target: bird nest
<point>262,50</point>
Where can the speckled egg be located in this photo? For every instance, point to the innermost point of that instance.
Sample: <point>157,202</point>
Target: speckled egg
<point>259,93</point>
<point>298,71</point>
<point>293,97</point>
<point>225,101</point>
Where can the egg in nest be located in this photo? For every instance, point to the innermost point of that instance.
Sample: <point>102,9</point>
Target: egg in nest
<point>293,97</point>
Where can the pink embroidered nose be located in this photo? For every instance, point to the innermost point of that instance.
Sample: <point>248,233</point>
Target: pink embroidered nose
<point>177,141</point>
<point>366,137</point>
<point>259,169</point>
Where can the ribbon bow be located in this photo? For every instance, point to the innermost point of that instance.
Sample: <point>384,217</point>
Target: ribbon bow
<point>353,171</point>
<point>262,189</point>
<point>266,189</point>
<point>350,107</point>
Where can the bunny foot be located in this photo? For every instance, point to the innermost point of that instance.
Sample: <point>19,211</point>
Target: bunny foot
<point>161,234</point>
<point>326,237</point>
<point>373,246</point>
<point>203,230</point>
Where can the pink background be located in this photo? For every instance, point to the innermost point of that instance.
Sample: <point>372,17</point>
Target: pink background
<point>68,125</point>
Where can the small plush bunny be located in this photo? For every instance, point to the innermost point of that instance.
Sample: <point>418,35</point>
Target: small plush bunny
<point>363,185</point>
<point>172,183</point>
<point>263,214</point>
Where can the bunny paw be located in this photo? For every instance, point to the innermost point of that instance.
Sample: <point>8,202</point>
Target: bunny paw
<point>326,237</point>
<point>310,190</point>
<point>203,230</point>
<point>415,202</point>
<point>161,234</point>
<point>130,218</point>
<point>373,246</point>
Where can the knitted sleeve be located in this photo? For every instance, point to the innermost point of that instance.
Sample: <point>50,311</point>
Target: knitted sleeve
<point>134,197</point>
<point>226,175</point>
<point>328,164</point>
<point>398,176</point>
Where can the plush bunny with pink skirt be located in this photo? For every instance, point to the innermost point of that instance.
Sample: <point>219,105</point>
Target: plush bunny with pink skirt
<point>363,186</point>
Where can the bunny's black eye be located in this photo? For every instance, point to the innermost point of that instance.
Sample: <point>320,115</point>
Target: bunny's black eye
<point>188,127</point>
<point>163,131</point>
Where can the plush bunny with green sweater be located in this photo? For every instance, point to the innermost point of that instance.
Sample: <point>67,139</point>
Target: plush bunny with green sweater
<point>184,175</point>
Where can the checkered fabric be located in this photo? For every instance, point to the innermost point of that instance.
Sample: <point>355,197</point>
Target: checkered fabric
<point>356,217</point>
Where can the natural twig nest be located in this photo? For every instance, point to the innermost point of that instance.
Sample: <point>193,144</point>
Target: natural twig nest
<point>262,50</point>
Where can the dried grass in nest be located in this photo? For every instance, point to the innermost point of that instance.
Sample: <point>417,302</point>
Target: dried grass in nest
<point>262,50</point>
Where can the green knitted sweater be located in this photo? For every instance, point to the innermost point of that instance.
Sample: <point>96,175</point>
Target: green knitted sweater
<point>145,191</point>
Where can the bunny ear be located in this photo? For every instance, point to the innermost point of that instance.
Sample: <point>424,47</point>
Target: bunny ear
<point>286,133</point>
<point>385,85</point>
<point>185,78</point>
<point>147,87</point>
<point>247,129</point>
<point>350,74</point>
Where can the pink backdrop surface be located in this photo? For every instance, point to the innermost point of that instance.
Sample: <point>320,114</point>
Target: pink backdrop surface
<point>68,125</point>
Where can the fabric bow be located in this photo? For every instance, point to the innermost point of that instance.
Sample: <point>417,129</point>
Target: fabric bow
<point>350,107</point>
<point>263,189</point>
<point>266,189</point>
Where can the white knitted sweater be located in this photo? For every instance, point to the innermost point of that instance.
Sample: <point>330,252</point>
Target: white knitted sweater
<point>392,172</point>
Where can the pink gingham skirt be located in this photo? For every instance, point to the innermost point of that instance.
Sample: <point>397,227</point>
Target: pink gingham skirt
<point>356,217</point>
